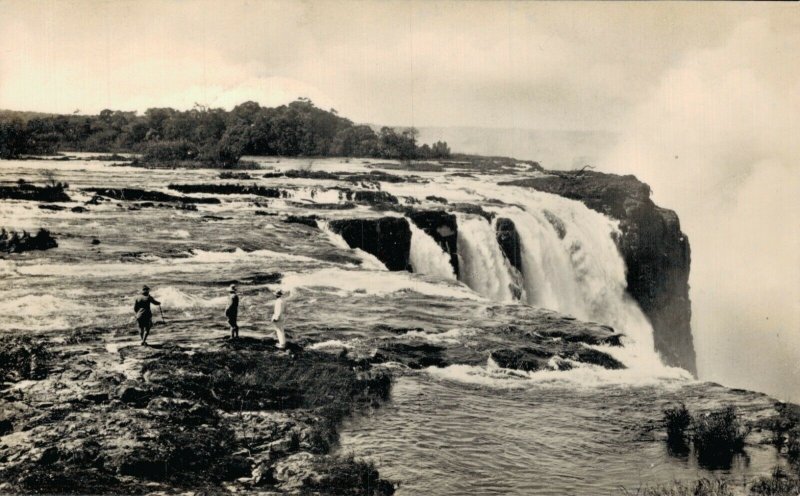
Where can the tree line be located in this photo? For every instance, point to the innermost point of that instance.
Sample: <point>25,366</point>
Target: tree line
<point>211,135</point>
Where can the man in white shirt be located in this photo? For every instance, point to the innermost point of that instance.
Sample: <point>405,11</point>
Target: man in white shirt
<point>279,319</point>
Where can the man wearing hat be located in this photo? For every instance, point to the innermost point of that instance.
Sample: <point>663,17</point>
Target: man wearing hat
<point>232,311</point>
<point>144,316</point>
<point>279,319</point>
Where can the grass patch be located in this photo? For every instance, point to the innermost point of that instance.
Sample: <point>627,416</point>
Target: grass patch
<point>702,487</point>
<point>780,483</point>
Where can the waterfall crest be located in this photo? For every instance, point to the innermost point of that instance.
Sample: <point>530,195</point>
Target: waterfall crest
<point>427,257</point>
<point>484,268</point>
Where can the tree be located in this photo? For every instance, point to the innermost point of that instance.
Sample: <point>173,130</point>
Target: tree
<point>13,139</point>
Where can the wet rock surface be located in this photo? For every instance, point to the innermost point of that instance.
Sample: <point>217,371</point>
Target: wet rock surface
<point>388,238</point>
<point>508,239</point>
<point>106,416</point>
<point>26,191</point>
<point>14,242</point>
<point>132,194</point>
<point>231,189</point>
<point>442,226</point>
<point>656,252</point>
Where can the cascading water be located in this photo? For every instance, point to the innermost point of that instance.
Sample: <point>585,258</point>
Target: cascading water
<point>483,266</point>
<point>427,257</point>
<point>571,264</point>
<point>370,261</point>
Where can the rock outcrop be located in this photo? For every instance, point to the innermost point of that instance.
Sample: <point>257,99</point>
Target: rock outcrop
<point>388,238</point>
<point>442,227</point>
<point>30,192</point>
<point>12,242</point>
<point>508,239</point>
<point>133,194</point>
<point>656,252</point>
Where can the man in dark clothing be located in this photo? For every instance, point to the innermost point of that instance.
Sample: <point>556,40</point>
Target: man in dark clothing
<point>232,311</point>
<point>144,316</point>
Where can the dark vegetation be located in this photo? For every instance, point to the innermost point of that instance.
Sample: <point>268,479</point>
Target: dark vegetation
<point>210,135</point>
<point>716,436</point>
<point>13,242</point>
<point>53,192</point>
<point>702,487</point>
<point>234,175</point>
<point>677,420</point>
<point>785,428</point>
<point>370,177</point>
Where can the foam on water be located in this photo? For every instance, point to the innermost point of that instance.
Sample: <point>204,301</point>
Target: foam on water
<point>172,297</point>
<point>376,283</point>
<point>451,336</point>
<point>580,376</point>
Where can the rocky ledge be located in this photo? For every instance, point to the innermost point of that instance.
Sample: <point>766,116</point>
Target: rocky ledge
<point>97,414</point>
<point>656,252</point>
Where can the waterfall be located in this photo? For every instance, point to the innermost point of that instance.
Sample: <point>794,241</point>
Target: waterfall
<point>369,261</point>
<point>572,265</point>
<point>427,257</point>
<point>484,268</point>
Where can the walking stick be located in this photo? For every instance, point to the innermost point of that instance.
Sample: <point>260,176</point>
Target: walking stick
<point>162,315</point>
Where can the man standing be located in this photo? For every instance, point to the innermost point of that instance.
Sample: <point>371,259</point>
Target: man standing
<point>279,319</point>
<point>232,311</point>
<point>144,316</point>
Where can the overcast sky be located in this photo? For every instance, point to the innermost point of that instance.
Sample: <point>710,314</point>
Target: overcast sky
<point>503,65</point>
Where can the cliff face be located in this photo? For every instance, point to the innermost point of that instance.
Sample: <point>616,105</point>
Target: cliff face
<point>388,238</point>
<point>656,252</point>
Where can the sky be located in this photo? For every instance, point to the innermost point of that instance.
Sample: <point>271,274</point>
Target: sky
<point>500,65</point>
<point>702,101</point>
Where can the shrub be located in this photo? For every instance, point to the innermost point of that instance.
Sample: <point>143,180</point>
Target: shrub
<point>779,484</point>
<point>718,435</point>
<point>168,151</point>
<point>677,420</point>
